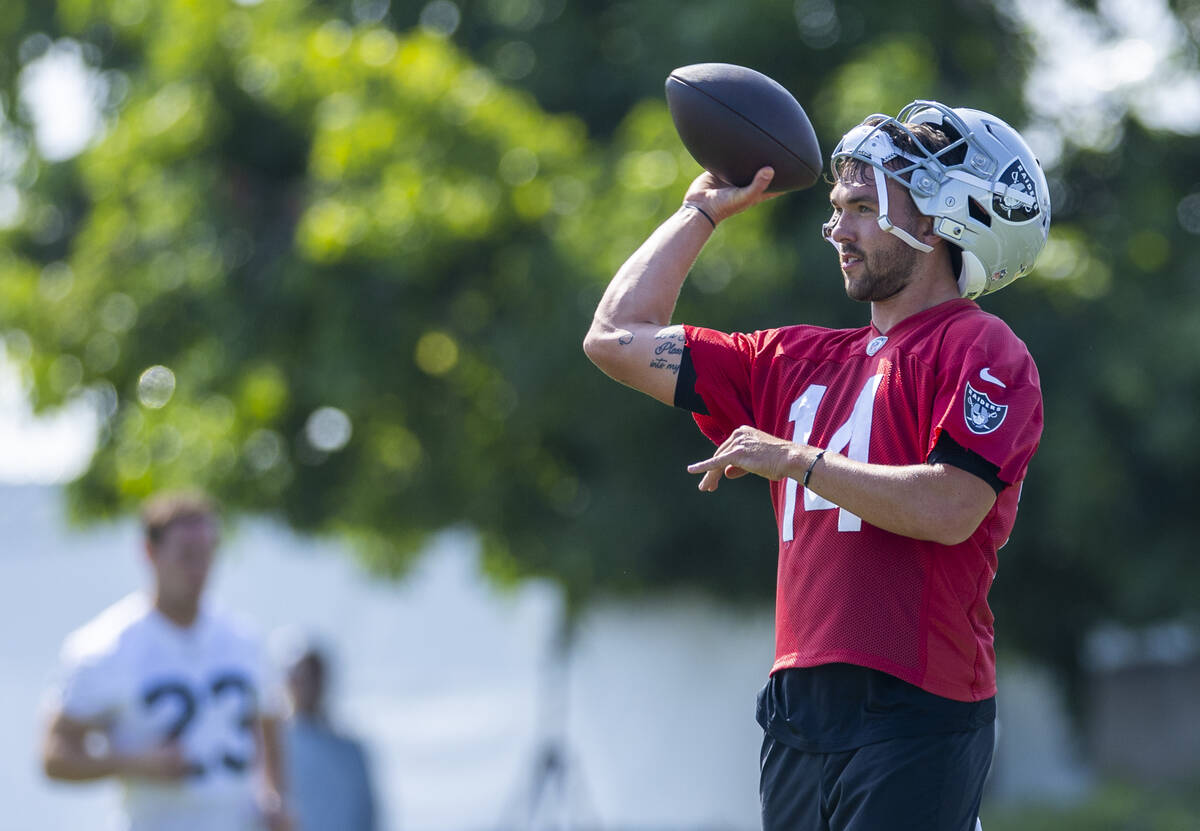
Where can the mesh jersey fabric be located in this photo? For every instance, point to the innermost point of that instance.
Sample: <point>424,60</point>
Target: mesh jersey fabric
<point>848,591</point>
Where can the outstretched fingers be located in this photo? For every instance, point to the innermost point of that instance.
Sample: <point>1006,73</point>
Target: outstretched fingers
<point>718,465</point>
<point>746,450</point>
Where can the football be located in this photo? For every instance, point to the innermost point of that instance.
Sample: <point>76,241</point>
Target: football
<point>734,120</point>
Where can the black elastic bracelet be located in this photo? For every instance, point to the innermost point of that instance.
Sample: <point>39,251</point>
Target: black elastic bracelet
<point>813,464</point>
<point>703,213</point>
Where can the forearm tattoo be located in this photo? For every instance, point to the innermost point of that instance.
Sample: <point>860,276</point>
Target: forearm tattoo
<point>667,351</point>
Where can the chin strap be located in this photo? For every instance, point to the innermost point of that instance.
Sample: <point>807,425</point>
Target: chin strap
<point>885,223</point>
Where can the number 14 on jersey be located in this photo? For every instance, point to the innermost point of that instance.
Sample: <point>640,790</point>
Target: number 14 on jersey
<point>852,439</point>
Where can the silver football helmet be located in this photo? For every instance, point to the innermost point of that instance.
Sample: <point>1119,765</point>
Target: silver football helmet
<point>985,190</point>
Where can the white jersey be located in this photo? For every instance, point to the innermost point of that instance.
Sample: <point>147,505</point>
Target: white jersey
<point>148,681</point>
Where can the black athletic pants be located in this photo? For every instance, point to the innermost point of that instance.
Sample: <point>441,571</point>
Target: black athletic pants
<point>921,783</point>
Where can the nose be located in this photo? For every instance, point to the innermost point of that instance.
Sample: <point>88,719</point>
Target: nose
<point>834,231</point>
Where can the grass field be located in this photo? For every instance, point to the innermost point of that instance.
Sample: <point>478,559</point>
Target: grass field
<point>1114,807</point>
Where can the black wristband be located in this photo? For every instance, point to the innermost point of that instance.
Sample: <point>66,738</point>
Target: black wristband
<point>703,213</point>
<point>813,464</point>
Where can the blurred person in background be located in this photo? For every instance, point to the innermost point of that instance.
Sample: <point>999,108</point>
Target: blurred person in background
<point>329,771</point>
<point>172,699</point>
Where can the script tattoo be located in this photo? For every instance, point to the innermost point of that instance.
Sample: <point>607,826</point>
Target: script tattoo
<point>626,338</point>
<point>667,351</point>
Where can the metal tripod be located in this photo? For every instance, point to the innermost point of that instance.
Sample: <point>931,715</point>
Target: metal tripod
<point>553,796</point>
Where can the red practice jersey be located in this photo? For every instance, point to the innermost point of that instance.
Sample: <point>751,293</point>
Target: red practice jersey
<point>849,592</point>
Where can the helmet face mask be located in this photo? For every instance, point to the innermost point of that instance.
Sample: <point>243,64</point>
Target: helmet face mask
<point>985,190</point>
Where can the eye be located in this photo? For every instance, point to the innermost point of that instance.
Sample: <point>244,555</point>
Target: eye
<point>864,209</point>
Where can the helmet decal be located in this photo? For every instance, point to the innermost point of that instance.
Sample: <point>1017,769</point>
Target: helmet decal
<point>1008,204</point>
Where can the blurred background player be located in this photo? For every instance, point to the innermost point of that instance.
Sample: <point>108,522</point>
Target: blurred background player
<point>328,771</point>
<point>895,454</point>
<point>171,698</point>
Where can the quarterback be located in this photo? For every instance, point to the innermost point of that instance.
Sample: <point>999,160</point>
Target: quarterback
<point>895,454</point>
<point>172,699</point>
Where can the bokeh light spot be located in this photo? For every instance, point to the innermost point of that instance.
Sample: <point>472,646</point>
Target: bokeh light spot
<point>518,166</point>
<point>377,47</point>
<point>370,11</point>
<point>264,450</point>
<point>10,206</point>
<point>333,39</point>
<point>155,387</point>
<point>264,393</point>
<point>168,107</point>
<point>56,281</point>
<point>515,60</point>
<point>651,170</point>
<point>328,429</point>
<point>118,313</point>
<point>1189,213</point>
<point>398,448</point>
<point>129,12</point>
<point>569,194</point>
<point>518,14</point>
<point>437,353</point>
<point>818,23</point>
<point>256,75</point>
<point>441,17</point>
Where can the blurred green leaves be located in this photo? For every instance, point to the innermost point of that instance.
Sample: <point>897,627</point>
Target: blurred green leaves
<point>337,272</point>
<point>334,260</point>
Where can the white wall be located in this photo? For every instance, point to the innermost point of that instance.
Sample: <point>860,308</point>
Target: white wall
<point>442,674</point>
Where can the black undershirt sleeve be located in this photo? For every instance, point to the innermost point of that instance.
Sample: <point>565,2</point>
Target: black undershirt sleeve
<point>949,452</point>
<point>686,397</point>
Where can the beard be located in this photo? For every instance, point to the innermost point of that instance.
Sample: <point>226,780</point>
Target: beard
<point>883,273</point>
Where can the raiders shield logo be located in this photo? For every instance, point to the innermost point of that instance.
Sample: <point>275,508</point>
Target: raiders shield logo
<point>1018,179</point>
<point>981,413</point>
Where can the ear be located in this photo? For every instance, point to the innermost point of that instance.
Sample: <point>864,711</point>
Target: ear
<point>925,231</point>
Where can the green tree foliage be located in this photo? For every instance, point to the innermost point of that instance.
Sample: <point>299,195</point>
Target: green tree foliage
<point>335,259</point>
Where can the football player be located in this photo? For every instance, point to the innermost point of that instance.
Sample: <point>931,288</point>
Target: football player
<point>895,454</point>
<point>173,699</point>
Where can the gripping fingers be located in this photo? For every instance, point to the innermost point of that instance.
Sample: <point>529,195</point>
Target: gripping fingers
<point>721,200</point>
<point>735,200</point>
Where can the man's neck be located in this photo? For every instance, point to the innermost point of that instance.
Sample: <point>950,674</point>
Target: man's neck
<point>182,613</point>
<point>924,292</point>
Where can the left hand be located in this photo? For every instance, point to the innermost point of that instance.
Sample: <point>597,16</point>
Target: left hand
<point>747,450</point>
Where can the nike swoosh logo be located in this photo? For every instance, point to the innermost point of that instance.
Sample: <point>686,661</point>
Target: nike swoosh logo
<point>986,375</point>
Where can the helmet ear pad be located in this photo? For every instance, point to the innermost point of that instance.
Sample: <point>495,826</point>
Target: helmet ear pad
<point>972,278</point>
